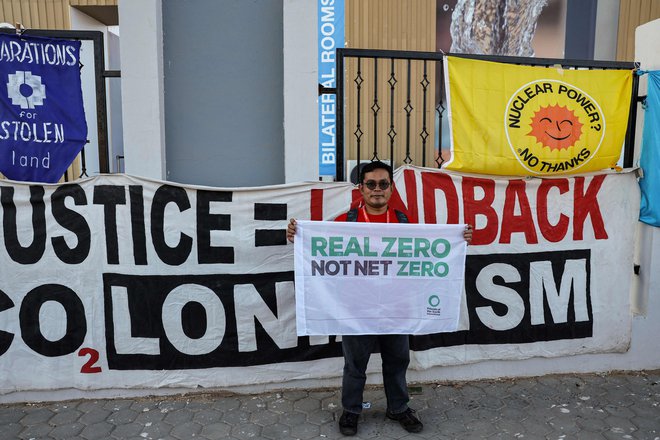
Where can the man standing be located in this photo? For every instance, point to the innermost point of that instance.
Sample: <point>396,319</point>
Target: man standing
<point>376,189</point>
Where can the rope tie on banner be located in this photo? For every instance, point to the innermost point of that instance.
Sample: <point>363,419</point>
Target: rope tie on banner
<point>20,29</point>
<point>641,72</point>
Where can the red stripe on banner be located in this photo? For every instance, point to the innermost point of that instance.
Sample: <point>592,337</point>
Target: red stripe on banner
<point>585,204</point>
<point>356,198</point>
<point>557,232</point>
<point>411,195</point>
<point>316,205</point>
<point>444,183</point>
<point>412,210</point>
<point>474,206</point>
<point>511,222</point>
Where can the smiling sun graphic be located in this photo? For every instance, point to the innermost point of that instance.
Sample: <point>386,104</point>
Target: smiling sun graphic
<point>556,127</point>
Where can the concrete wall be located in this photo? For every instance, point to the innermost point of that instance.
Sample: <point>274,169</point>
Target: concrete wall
<point>301,125</point>
<point>223,69</point>
<point>607,23</point>
<point>143,107</point>
<point>646,52</point>
<point>115,122</point>
<point>289,146</point>
<point>81,21</point>
<point>580,29</point>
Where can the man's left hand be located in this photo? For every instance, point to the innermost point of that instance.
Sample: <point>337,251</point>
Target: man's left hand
<point>467,234</point>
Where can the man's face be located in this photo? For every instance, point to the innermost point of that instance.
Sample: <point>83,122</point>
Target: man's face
<point>377,197</point>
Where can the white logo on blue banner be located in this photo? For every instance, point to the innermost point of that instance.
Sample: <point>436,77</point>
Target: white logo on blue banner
<point>356,279</point>
<point>36,91</point>
<point>42,119</point>
<point>331,36</point>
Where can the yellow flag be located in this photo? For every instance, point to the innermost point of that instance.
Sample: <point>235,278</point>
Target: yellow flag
<point>522,120</point>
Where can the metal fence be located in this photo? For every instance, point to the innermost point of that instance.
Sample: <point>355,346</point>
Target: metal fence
<point>391,105</point>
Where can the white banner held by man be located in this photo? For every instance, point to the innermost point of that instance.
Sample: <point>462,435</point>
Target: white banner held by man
<point>355,279</point>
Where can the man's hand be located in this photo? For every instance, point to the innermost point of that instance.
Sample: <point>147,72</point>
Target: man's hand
<point>467,234</point>
<point>291,230</point>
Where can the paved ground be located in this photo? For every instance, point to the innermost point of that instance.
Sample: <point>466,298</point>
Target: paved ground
<point>614,406</point>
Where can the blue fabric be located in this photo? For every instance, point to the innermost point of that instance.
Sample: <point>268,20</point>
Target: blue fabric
<point>650,158</point>
<point>42,120</point>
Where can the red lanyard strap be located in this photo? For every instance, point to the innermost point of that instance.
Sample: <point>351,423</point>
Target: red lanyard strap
<point>366,216</point>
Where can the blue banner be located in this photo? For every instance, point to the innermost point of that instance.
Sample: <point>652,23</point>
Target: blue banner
<point>331,36</point>
<point>650,159</point>
<point>42,120</point>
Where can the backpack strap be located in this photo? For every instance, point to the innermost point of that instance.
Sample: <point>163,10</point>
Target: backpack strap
<point>352,216</point>
<point>401,217</point>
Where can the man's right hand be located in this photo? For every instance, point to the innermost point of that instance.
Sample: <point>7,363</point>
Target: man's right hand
<point>291,230</point>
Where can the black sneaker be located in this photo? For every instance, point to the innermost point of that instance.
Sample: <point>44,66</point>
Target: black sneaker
<point>407,419</point>
<point>348,423</point>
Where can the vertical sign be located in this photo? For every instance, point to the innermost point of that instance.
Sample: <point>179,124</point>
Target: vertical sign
<point>330,37</point>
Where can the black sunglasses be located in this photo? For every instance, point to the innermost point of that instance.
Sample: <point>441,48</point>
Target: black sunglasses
<point>372,184</point>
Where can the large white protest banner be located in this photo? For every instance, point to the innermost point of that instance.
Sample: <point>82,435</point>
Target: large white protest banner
<point>123,282</point>
<point>358,278</point>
